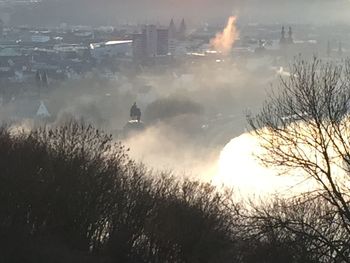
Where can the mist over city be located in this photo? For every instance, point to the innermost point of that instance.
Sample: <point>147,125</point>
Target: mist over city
<point>174,131</point>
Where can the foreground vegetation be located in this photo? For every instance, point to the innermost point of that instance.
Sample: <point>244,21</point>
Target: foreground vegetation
<point>70,194</point>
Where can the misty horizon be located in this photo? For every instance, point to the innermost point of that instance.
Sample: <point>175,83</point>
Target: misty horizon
<point>114,12</point>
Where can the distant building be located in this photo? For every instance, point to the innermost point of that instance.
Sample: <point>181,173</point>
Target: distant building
<point>162,42</point>
<point>1,28</point>
<point>172,46</point>
<point>40,38</point>
<point>283,40</point>
<point>12,60</point>
<point>172,30</point>
<point>261,48</point>
<point>182,30</point>
<point>151,34</point>
<point>150,44</point>
<point>177,34</point>
<point>340,49</point>
<point>111,49</point>
<point>286,40</point>
<point>139,47</point>
<point>290,39</point>
<point>172,37</point>
<point>42,112</point>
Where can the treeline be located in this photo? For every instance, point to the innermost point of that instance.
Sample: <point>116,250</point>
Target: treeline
<point>71,194</point>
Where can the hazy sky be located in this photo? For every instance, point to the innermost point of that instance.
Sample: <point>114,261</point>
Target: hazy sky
<point>112,11</point>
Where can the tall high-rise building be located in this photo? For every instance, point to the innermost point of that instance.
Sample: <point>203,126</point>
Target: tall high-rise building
<point>139,47</point>
<point>150,32</point>
<point>162,42</point>
<point>152,42</point>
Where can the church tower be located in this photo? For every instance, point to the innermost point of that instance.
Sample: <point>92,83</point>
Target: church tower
<point>340,49</point>
<point>283,37</point>
<point>290,36</point>
<point>1,27</point>
<point>182,29</point>
<point>172,30</point>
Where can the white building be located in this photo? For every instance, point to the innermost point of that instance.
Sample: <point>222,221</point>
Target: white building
<point>103,50</point>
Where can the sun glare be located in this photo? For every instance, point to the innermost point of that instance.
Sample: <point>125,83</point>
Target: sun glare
<point>240,168</point>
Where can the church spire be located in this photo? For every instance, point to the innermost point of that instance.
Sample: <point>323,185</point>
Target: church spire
<point>172,29</point>
<point>340,49</point>
<point>290,36</point>
<point>283,36</point>
<point>182,29</point>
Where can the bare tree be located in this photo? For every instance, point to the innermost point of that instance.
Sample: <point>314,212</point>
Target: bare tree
<point>71,191</point>
<point>305,126</point>
<point>305,228</point>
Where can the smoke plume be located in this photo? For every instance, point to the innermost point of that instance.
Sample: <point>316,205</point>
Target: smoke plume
<point>224,40</point>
